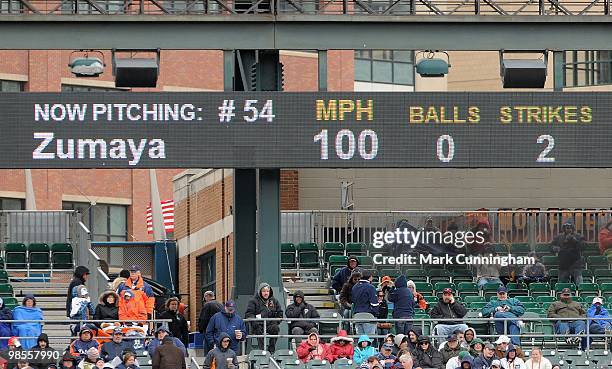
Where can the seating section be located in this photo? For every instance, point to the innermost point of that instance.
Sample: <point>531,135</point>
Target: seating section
<point>37,256</point>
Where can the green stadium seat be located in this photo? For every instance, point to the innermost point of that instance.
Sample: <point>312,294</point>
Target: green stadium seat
<point>550,261</point>
<point>356,248</point>
<point>431,300</point>
<point>597,262</point>
<point>532,325</point>
<point>520,249</point>
<point>292,364</point>
<point>62,256</point>
<point>539,289</point>
<point>531,305</point>
<point>2,266</point>
<point>588,289</point>
<point>39,256</point>
<point>545,300</point>
<point>16,256</point>
<point>328,325</point>
<point>477,305</point>
<point>517,289</point>
<point>471,299</point>
<point>425,288</point>
<point>440,286</point>
<point>332,248</point>
<point>284,354</point>
<point>287,256</point>
<point>391,272</point>
<point>490,290</point>
<point>255,355</point>
<point>6,290</point>
<point>375,276</point>
<point>602,275</point>
<point>4,277</point>
<point>462,275</point>
<point>439,275</point>
<point>501,248</point>
<point>587,276</point>
<point>10,302</point>
<point>559,286</point>
<point>336,262</point>
<point>308,255</point>
<point>365,262</point>
<point>553,276</point>
<point>468,289</point>
<point>606,290</point>
<point>318,364</point>
<point>543,249</point>
<point>536,310</point>
<point>416,275</point>
<point>525,299</point>
<point>591,249</point>
<point>343,364</point>
<point>481,327</point>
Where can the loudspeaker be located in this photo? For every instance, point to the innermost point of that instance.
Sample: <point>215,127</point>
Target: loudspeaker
<point>136,72</point>
<point>523,73</point>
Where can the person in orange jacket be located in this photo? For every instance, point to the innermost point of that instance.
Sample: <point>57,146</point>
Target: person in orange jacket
<point>141,289</point>
<point>605,238</point>
<point>131,307</point>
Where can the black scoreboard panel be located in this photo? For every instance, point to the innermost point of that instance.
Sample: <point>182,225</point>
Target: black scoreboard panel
<point>294,130</point>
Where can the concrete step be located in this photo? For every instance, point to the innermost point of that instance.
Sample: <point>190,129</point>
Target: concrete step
<point>310,291</point>
<point>26,284</point>
<point>46,299</point>
<point>322,304</point>
<point>22,291</point>
<point>300,285</point>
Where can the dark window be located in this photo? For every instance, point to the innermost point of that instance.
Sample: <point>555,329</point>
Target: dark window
<point>208,277</point>
<point>588,68</point>
<point>385,66</point>
<point>11,86</point>
<point>106,222</point>
<point>102,6</point>
<point>11,7</point>
<point>12,204</point>
<point>76,88</point>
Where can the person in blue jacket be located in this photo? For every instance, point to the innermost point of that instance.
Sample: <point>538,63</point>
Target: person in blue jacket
<point>162,332</point>
<point>229,322</point>
<point>403,305</point>
<point>365,303</point>
<point>597,310</point>
<point>342,275</point>
<point>505,308</point>
<point>5,328</point>
<point>363,350</point>
<point>28,311</point>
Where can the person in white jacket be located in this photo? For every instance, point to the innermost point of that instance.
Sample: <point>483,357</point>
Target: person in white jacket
<point>511,361</point>
<point>537,360</point>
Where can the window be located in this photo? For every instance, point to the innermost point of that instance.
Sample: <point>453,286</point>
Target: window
<point>11,7</point>
<point>385,66</point>
<point>84,7</point>
<point>77,88</point>
<point>208,277</point>
<point>188,6</point>
<point>12,204</point>
<point>588,68</point>
<point>11,86</point>
<point>105,222</point>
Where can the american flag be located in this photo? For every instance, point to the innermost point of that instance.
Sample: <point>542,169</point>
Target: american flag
<point>167,213</point>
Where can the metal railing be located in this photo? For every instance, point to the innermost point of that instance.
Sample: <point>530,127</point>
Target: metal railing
<point>311,7</point>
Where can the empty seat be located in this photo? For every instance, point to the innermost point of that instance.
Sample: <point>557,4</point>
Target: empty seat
<point>318,364</point>
<point>440,286</point>
<point>283,354</point>
<point>255,355</point>
<point>10,302</point>
<point>332,248</point>
<point>365,262</point>
<point>462,275</point>
<point>596,262</point>
<point>292,364</point>
<point>588,289</point>
<point>356,248</point>
<point>343,364</point>
<point>439,275</point>
<point>287,256</point>
<point>39,256</point>
<point>308,255</point>
<point>424,288</point>
<point>520,249</point>
<point>6,290</point>
<point>550,261</point>
<point>336,262</point>
<point>16,256</point>
<point>4,278</point>
<point>468,289</point>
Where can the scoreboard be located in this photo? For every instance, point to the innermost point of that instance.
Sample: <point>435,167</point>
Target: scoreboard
<point>305,130</point>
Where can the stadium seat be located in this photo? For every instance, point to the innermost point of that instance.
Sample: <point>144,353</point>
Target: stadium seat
<point>439,275</point>
<point>10,302</point>
<point>550,261</point>
<point>424,288</point>
<point>356,248</point>
<point>318,364</point>
<point>606,289</point>
<point>365,262</point>
<point>62,256</point>
<point>525,299</point>
<point>597,262</point>
<point>471,299</point>
<point>553,276</point>
<point>520,249</point>
<point>2,266</point>
<point>329,323</point>
<point>332,248</point>
<point>283,354</point>
<point>481,327</point>
<point>16,256</point>
<point>308,255</point>
<point>500,248</point>
<point>490,290</point>
<point>255,355</point>
<point>336,262</point>
<point>6,290</point>
<point>536,310</point>
<point>292,364</point>
<point>517,289</point>
<point>588,289</point>
<point>591,249</point>
<point>416,275</point>
<point>543,249</point>
<point>391,272</point>
<point>477,305</point>
<point>431,300</point>
<point>440,286</point>
<point>603,275</point>
<point>264,362</point>
<point>39,256</point>
<point>559,286</point>
<point>462,275</point>
<point>4,278</point>
<point>343,364</point>
<point>287,256</point>
<point>468,289</point>
<point>545,300</point>
<point>587,276</point>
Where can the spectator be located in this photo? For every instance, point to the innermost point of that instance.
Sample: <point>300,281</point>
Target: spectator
<point>346,294</point>
<point>229,322</point>
<point>168,356</point>
<point>419,300</point>
<point>413,340</point>
<point>178,324</point>
<point>222,356</point>
<point>468,336</point>
<point>390,339</point>
<point>597,310</point>
<point>505,308</point>
<point>108,307</point>
<point>364,349</point>
<point>429,226</point>
<point>605,238</point>
<point>68,361</point>
<point>120,280</point>
<point>301,309</point>
<point>456,361</point>
<point>534,272</point>
<point>89,360</point>
<point>342,276</point>
<point>115,347</point>
<point>484,227</point>
<point>141,289</point>
<point>128,362</point>
<point>386,283</point>
<point>537,361</point>
<point>382,327</point>
<point>264,305</point>
<point>365,302</point>
<point>5,327</point>
<point>210,308</point>
<point>485,359</point>
<point>341,347</point>
<point>488,273</point>
<point>81,274</point>
<point>11,354</point>
<point>370,363</point>
<point>451,348</point>
<point>162,332</point>
<point>512,360</point>
<point>569,246</point>
<point>496,364</point>
<point>312,349</point>
<point>27,311</point>
<point>131,307</point>
<point>476,347</point>
<point>448,308</point>
<point>404,306</point>
<point>427,356</point>
<point>80,346</point>
<point>406,362</point>
<point>41,352</point>
<point>566,308</point>
<point>400,344</point>
<point>81,309</point>
<point>503,345</point>
<point>386,357</point>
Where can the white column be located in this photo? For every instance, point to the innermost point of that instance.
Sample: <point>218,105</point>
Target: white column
<point>30,196</point>
<point>159,231</point>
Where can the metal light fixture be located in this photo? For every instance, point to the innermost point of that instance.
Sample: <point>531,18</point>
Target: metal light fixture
<point>136,72</point>
<point>86,65</point>
<point>430,66</point>
<point>523,73</point>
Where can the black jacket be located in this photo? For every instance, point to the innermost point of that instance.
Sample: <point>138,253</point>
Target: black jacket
<point>106,311</point>
<point>208,310</point>
<point>383,310</point>
<point>78,280</point>
<point>178,325</point>
<point>303,310</point>
<point>269,308</point>
<point>482,362</point>
<point>570,249</point>
<point>43,361</point>
<point>111,350</point>
<point>429,359</point>
<point>448,311</point>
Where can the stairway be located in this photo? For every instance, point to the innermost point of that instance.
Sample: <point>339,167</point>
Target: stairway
<point>315,293</point>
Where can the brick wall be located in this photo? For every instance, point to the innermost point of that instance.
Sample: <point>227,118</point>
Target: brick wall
<point>289,190</point>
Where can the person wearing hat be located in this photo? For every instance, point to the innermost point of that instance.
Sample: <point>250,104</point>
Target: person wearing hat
<point>142,290</point>
<point>476,347</point>
<point>365,303</point>
<point>448,308</point>
<point>451,348</point>
<point>302,310</point>
<point>386,283</point>
<point>484,360</point>
<point>504,308</point>
<point>43,352</point>
<point>342,275</point>
<point>5,327</point>
<point>496,364</point>
<point>426,356</point>
<point>455,361</point>
<point>210,308</point>
<point>81,309</point>
<point>419,300</point>
<point>312,348</point>
<point>89,360</point>
<point>603,323</point>
<point>567,308</point>
<point>168,356</point>
<point>115,347</point>
<point>512,360</point>
<point>80,346</point>
<point>27,311</point>
<point>400,342</point>
<point>222,356</point>
<point>10,354</point>
<point>341,347</point>
<point>162,332</point>
<point>81,274</point>
<point>227,321</point>
<point>386,357</point>
<point>107,308</point>
<point>264,305</point>
<point>178,323</point>
<point>68,361</point>
<point>132,308</point>
<point>403,299</point>
<point>568,246</point>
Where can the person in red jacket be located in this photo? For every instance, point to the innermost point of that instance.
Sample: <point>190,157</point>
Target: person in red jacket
<point>341,347</point>
<point>605,238</point>
<point>312,349</point>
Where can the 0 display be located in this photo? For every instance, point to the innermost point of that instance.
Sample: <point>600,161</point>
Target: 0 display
<point>305,130</point>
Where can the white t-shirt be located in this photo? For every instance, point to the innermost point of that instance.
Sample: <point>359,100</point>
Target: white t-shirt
<point>518,363</point>
<point>543,364</point>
